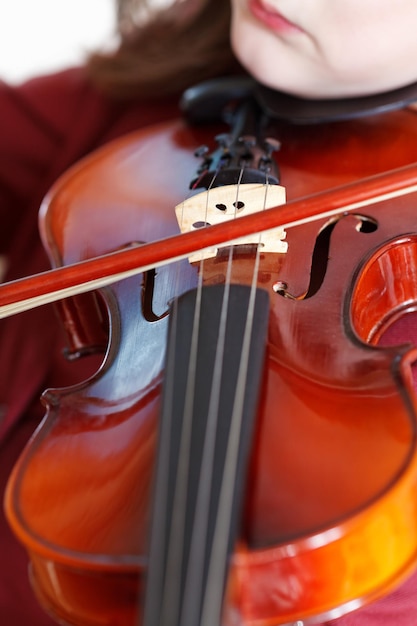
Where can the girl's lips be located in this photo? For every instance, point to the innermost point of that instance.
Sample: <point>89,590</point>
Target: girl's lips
<point>271,18</point>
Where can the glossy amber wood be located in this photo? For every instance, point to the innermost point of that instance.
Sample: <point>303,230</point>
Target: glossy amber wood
<point>330,518</point>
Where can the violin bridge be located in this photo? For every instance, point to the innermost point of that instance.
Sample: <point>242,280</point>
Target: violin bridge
<point>221,204</point>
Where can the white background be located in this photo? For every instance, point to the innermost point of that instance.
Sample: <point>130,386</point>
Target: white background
<point>38,36</point>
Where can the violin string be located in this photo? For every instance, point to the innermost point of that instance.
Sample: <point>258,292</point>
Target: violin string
<point>194,579</point>
<point>171,595</point>
<point>194,582</point>
<point>213,591</point>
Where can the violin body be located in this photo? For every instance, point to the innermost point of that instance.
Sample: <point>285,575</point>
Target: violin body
<point>330,515</point>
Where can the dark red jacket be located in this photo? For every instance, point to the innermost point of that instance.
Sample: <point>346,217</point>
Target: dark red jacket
<point>46,125</point>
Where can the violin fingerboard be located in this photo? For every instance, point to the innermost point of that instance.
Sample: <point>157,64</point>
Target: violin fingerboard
<point>214,365</point>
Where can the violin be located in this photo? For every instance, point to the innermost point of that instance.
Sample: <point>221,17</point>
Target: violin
<point>246,452</point>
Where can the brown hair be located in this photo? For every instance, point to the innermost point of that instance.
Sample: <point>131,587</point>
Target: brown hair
<point>166,51</point>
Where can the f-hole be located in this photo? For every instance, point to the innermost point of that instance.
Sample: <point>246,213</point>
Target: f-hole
<point>148,289</point>
<point>320,256</point>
